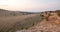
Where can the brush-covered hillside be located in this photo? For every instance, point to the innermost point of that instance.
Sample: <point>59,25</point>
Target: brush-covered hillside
<point>11,21</point>
<point>48,21</point>
<point>7,13</point>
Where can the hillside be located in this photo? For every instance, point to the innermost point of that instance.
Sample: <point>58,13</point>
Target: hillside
<point>12,22</point>
<point>7,13</point>
<point>51,23</point>
<point>48,21</point>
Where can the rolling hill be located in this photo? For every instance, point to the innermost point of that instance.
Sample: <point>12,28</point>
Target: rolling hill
<point>7,13</point>
<point>15,21</point>
<point>10,21</point>
<point>50,23</point>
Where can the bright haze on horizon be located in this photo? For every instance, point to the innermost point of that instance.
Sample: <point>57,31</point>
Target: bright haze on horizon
<point>30,5</point>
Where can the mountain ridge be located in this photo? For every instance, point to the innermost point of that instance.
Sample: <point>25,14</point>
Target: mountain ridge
<point>4,12</point>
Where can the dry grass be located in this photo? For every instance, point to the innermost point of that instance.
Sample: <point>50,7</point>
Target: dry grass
<point>11,24</point>
<point>52,25</point>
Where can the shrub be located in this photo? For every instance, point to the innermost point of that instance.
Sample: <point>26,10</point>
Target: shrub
<point>58,12</point>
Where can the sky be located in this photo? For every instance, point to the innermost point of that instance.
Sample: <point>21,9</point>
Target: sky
<point>30,5</point>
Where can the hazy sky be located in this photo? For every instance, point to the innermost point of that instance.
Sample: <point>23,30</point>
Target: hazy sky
<point>30,5</point>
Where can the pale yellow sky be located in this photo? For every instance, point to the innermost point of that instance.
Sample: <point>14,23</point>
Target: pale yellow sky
<point>30,5</point>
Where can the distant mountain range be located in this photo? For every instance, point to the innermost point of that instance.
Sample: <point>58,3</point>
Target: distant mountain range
<point>4,12</point>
